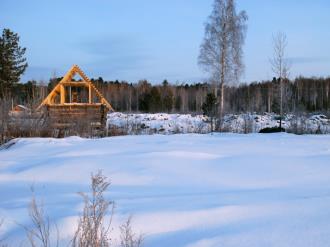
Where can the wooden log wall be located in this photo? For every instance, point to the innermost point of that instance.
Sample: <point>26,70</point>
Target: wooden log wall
<point>71,116</point>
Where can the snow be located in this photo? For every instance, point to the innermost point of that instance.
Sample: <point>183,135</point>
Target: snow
<point>183,190</point>
<point>163,123</point>
<point>158,123</point>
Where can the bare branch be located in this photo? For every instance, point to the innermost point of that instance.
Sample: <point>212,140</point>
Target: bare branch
<point>127,237</point>
<point>279,62</point>
<point>92,229</point>
<point>221,52</point>
<point>39,234</point>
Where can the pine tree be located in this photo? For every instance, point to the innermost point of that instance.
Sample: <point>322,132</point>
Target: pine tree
<point>167,97</point>
<point>12,60</point>
<point>155,100</point>
<point>210,108</point>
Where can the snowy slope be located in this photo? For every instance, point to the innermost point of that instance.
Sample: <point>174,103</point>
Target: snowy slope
<point>163,123</point>
<point>183,190</point>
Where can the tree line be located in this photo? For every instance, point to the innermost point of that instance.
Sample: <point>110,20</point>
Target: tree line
<point>299,95</point>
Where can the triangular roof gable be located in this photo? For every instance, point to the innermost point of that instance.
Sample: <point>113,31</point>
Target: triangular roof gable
<point>49,100</point>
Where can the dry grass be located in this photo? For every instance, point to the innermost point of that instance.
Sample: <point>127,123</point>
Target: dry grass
<point>93,230</point>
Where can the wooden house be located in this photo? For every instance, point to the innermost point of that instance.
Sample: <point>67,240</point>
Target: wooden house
<point>75,104</point>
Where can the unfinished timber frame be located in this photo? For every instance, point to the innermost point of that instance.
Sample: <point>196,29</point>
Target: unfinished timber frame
<point>76,105</point>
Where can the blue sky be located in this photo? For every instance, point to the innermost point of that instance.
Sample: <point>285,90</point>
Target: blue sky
<point>158,39</point>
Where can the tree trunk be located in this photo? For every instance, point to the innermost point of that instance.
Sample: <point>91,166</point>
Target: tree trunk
<point>269,98</point>
<point>222,98</point>
<point>281,103</point>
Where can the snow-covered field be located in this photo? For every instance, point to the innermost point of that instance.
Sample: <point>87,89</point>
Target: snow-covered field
<point>163,123</point>
<point>182,190</point>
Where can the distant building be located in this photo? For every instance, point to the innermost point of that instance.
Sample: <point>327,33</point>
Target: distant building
<point>20,110</point>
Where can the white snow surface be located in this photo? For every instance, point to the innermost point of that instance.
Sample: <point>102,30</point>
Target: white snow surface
<point>163,123</point>
<point>183,190</point>
<point>158,123</point>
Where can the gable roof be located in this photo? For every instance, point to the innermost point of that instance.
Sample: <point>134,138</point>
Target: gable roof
<point>67,80</point>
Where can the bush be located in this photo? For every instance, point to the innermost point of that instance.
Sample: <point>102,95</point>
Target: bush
<point>272,130</point>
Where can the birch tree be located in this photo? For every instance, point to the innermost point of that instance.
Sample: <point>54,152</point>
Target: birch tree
<point>221,52</point>
<point>280,64</point>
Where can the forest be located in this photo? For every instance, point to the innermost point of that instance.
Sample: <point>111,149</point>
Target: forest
<point>302,94</point>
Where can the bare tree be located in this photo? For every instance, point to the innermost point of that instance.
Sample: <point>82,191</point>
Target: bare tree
<point>127,237</point>
<point>280,64</point>
<point>92,230</point>
<point>39,234</point>
<point>221,52</point>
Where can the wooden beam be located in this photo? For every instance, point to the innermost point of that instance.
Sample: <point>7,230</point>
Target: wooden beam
<point>90,94</point>
<point>70,95</point>
<point>75,84</point>
<point>62,94</point>
<point>78,104</point>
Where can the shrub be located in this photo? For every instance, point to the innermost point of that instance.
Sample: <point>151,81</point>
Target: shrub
<point>272,130</point>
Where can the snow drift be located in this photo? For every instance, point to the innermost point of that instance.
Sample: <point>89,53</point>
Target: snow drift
<point>182,190</point>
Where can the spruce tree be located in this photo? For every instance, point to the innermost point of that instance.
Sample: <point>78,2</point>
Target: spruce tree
<point>12,60</point>
<point>210,107</point>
